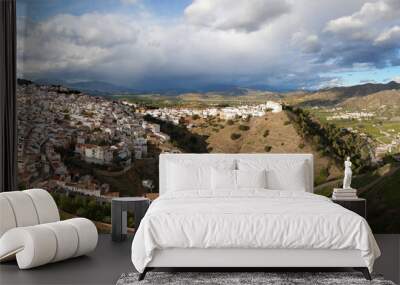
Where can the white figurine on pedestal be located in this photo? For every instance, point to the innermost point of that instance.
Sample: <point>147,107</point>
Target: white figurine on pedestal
<point>347,174</point>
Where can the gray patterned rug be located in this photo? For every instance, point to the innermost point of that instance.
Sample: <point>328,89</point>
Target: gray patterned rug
<point>243,278</point>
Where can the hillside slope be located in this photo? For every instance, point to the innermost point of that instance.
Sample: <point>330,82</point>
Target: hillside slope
<point>383,204</point>
<point>387,98</point>
<point>364,89</point>
<point>341,95</point>
<point>272,133</point>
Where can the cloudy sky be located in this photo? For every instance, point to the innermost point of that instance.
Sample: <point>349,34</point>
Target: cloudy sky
<point>159,44</point>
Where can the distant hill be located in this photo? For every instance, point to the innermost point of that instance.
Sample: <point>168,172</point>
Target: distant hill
<point>390,98</point>
<point>364,89</point>
<point>21,81</point>
<point>165,89</point>
<point>90,87</point>
<point>99,86</point>
<point>341,95</point>
<point>221,93</point>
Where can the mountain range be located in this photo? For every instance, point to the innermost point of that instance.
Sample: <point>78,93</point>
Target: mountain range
<point>364,89</point>
<point>341,95</point>
<point>322,97</point>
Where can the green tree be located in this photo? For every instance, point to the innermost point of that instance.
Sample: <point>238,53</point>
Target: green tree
<point>235,136</point>
<point>81,212</point>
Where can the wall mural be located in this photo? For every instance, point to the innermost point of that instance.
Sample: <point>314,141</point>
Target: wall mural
<point>106,86</point>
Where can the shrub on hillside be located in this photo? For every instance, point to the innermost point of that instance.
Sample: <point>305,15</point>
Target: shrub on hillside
<point>322,176</point>
<point>266,133</point>
<point>268,148</point>
<point>230,122</point>
<point>183,138</point>
<point>244,128</point>
<point>301,145</point>
<point>235,136</point>
<point>337,142</point>
<point>83,206</point>
<point>195,117</point>
<point>286,123</point>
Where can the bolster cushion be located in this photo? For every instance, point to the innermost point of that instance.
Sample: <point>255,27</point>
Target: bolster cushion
<point>26,208</point>
<point>40,244</point>
<point>7,218</point>
<point>45,205</point>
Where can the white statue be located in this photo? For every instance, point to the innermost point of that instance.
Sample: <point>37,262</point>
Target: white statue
<point>347,174</point>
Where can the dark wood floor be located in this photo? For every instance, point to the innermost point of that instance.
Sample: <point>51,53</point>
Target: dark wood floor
<point>110,260</point>
<point>103,266</point>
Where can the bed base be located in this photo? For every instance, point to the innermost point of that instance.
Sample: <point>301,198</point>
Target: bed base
<point>363,270</point>
<point>250,259</point>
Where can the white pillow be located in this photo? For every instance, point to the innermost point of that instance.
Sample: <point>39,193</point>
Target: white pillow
<point>193,174</point>
<point>292,180</point>
<point>223,179</point>
<point>183,177</point>
<point>281,174</point>
<point>251,178</point>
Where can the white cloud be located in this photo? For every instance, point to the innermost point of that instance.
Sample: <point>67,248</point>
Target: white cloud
<point>366,36</point>
<point>308,43</point>
<point>390,36</point>
<point>345,24</point>
<point>396,79</point>
<point>141,50</point>
<point>359,24</point>
<point>329,83</point>
<point>132,49</point>
<point>240,15</point>
<point>68,42</point>
<point>129,2</point>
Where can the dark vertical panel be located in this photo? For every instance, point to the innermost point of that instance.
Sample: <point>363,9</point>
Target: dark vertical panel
<point>8,147</point>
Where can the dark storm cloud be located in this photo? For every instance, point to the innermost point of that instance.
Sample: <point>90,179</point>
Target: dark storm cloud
<point>252,43</point>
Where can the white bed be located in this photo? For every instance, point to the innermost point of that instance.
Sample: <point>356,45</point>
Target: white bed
<point>248,227</point>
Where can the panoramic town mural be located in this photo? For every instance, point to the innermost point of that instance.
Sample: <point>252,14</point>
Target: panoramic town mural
<point>105,86</point>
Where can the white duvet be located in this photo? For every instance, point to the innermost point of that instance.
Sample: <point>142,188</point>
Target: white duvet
<point>250,219</point>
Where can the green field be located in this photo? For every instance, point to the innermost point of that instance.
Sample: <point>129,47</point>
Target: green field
<point>381,131</point>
